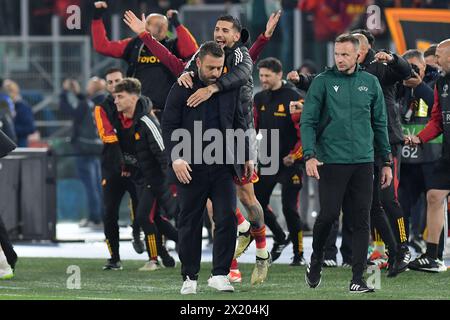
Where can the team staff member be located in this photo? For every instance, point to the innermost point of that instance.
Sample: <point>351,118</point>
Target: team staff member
<point>245,189</point>
<point>155,77</point>
<point>343,121</point>
<point>140,138</point>
<point>440,184</point>
<point>272,113</point>
<point>237,74</point>
<point>114,183</point>
<point>389,69</point>
<point>198,182</point>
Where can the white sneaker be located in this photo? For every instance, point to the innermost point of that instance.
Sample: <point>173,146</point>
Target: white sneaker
<point>151,265</point>
<point>6,272</point>
<point>442,266</point>
<point>189,286</point>
<point>221,283</point>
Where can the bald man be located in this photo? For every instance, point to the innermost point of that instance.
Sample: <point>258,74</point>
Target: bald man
<point>155,77</point>
<point>440,180</point>
<point>23,115</point>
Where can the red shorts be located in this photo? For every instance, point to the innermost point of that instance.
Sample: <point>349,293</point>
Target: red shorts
<point>253,179</point>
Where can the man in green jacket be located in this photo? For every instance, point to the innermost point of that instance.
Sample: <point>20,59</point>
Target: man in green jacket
<point>343,125</point>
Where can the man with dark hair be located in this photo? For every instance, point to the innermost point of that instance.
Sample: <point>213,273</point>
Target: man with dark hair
<point>196,182</point>
<point>390,69</point>
<point>117,166</point>
<point>343,121</point>
<point>237,74</point>
<point>369,36</point>
<point>416,98</point>
<point>114,174</point>
<point>430,56</point>
<point>156,78</point>
<point>272,115</point>
<point>140,140</point>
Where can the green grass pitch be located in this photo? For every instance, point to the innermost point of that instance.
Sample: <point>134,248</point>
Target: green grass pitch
<point>46,278</point>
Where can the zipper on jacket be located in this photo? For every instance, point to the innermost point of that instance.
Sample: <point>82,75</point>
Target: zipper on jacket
<point>351,116</point>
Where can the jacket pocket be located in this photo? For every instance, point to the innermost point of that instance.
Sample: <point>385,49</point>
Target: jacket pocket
<point>322,128</point>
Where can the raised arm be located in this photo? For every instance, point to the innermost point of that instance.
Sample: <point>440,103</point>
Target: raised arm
<point>100,40</point>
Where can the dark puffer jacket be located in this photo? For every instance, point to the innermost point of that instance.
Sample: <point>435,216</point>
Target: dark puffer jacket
<point>388,75</point>
<point>237,73</point>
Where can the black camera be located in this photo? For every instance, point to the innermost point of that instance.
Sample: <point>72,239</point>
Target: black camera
<point>414,68</point>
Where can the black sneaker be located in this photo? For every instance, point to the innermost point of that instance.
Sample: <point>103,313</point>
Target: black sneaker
<point>401,261</point>
<point>313,275</point>
<point>166,258</point>
<point>112,265</point>
<point>360,287</point>
<point>298,260</point>
<point>138,246</point>
<point>277,248</point>
<point>425,263</point>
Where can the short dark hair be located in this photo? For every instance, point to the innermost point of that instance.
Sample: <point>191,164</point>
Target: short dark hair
<point>366,33</point>
<point>113,70</point>
<point>211,48</point>
<point>431,51</point>
<point>413,53</point>
<point>272,64</point>
<point>129,85</point>
<point>310,65</point>
<point>347,37</point>
<point>235,21</point>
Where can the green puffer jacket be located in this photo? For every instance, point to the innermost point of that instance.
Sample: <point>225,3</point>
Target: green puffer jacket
<point>344,118</point>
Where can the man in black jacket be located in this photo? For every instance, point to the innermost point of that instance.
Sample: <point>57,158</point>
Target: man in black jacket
<point>416,98</point>
<point>114,182</point>
<point>390,69</point>
<point>156,79</point>
<point>200,180</point>
<point>237,74</point>
<point>140,140</point>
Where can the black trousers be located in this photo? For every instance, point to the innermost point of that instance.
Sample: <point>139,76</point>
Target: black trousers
<point>114,188</point>
<point>331,249</point>
<point>416,179</point>
<point>6,245</point>
<point>335,180</point>
<point>378,215</point>
<point>291,183</point>
<point>216,183</point>
<point>389,202</point>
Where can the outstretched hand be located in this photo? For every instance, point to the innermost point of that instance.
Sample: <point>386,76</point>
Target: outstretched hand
<point>272,23</point>
<point>138,26</point>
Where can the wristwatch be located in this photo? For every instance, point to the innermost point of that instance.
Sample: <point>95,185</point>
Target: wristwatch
<point>309,156</point>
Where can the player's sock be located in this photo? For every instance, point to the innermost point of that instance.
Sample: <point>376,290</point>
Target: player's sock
<point>243,224</point>
<point>259,234</point>
<point>432,250</point>
<point>234,265</point>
